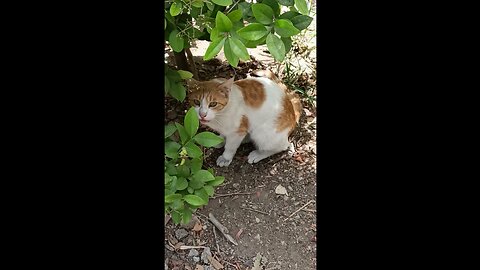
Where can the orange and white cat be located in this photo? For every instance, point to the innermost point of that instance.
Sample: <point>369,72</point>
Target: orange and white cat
<point>257,108</point>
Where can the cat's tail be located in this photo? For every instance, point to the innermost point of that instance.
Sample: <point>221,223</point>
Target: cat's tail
<point>294,98</point>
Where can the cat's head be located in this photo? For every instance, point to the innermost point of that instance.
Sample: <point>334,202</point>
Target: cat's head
<point>209,98</point>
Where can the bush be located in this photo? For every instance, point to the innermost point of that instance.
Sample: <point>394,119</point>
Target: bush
<point>187,185</point>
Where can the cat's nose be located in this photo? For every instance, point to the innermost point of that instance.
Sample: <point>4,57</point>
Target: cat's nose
<point>203,115</point>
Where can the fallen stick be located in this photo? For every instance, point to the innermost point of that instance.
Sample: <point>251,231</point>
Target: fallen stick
<point>299,209</point>
<point>191,247</point>
<point>221,228</point>
<point>254,210</point>
<point>309,210</point>
<point>233,194</point>
<point>216,241</point>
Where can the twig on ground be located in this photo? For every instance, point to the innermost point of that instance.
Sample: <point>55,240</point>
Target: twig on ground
<point>221,228</point>
<point>233,194</point>
<point>299,209</point>
<point>216,241</point>
<point>190,247</point>
<point>310,210</point>
<point>229,263</point>
<point>254,210</point>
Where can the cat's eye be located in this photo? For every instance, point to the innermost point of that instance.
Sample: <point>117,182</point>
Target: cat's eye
<point>212,104</point>
<point>197,102</point>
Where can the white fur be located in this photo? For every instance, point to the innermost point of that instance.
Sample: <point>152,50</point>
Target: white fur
<point>262,123</point>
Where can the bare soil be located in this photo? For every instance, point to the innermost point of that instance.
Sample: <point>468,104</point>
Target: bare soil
<point>258,220</point>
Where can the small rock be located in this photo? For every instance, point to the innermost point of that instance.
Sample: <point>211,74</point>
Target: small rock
<point>199,267</point>
<point>257,220</point>
<point>281,190</point>
<point>236,185</point>
<point>206,252</point>
<point>290,188</point>
<point>208,267</point>
<point>181,233</point>
<point>193,252</point>
<point>257,237</point>
<point>196,259</point>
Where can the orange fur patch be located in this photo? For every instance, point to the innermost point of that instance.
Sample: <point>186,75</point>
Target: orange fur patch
<point>286,118</point>
<point>243,128</point>
<point>252,91</point>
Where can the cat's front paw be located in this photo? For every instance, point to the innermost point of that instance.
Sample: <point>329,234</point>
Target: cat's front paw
<point>223,162</point>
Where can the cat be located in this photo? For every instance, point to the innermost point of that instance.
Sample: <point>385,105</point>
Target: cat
<point>259,108</point>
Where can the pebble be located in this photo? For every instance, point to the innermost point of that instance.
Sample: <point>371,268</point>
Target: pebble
<point>206,252</point>
<point>181,233</point>
<point>193,252</point>
<point>196,259</point>
<point>257,219</point>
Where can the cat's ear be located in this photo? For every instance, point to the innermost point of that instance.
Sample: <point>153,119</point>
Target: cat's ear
<point>192,85</point>
<point>226,86</point>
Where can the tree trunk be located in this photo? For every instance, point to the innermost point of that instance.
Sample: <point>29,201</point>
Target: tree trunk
<point>186,64</point>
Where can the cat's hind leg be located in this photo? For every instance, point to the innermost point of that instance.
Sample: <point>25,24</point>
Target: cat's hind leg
<point>269,147</point>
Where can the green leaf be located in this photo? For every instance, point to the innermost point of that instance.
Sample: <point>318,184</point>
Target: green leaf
<point>222,22</point>
<point>208,139</point>
<point>176,8</point>
<point>197,3</point>
<point>263,13</point>
<point>183,133</point>
<point>167,178</point>
<point>214,48</point>
<point>172,197</point>
<point>231,57</point>
<point>301,22</point>
<point>288,43</point>
<point>167,84</point>
<point>285,28</point>
<point>301,6</point>
<point>202,194</point>
<point>196,183</point>
<point>289,14</point>
<point>193,150</point>
<point>286,2</point>
<point>173,75</point>
<point>215,34</point>
<point>274,5</point>
<point>194,200</point>
<point>176,217</point>
<point>178,91</point>
<point>186,215</point>
<point>171,169</point>
<point>185,74</point>
<point>190,190</point>
<point>209,190</point>
<point>173,184</point>
<point>183,171</point>
<point>177,205</point>
<point>218,181</point>
<point>223,3</point>
<point>210,6</point>
<point>171,149</point>
<point>235,15</point>
<point>276,47</point>
<point>182,183</point>
<point>203,175</point>
<point>245,8</point>
<point>169,130</point>
<point>196,165</point>
<point>253,31</point>
<point>239,49</point>
<point>191,122</point>
<point>211,171</point>
<point>176,42</point>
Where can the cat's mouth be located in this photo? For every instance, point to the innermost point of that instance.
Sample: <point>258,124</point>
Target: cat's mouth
<point>203,121</point>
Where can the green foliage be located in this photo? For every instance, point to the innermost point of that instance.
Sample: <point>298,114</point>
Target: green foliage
<point>232,26</point>
<point>187,185</point>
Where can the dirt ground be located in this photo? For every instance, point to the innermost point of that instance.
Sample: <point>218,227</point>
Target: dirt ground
<point>268,219</point>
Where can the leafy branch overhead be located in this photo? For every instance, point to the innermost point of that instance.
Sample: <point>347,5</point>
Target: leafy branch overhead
<point>235,26</point>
